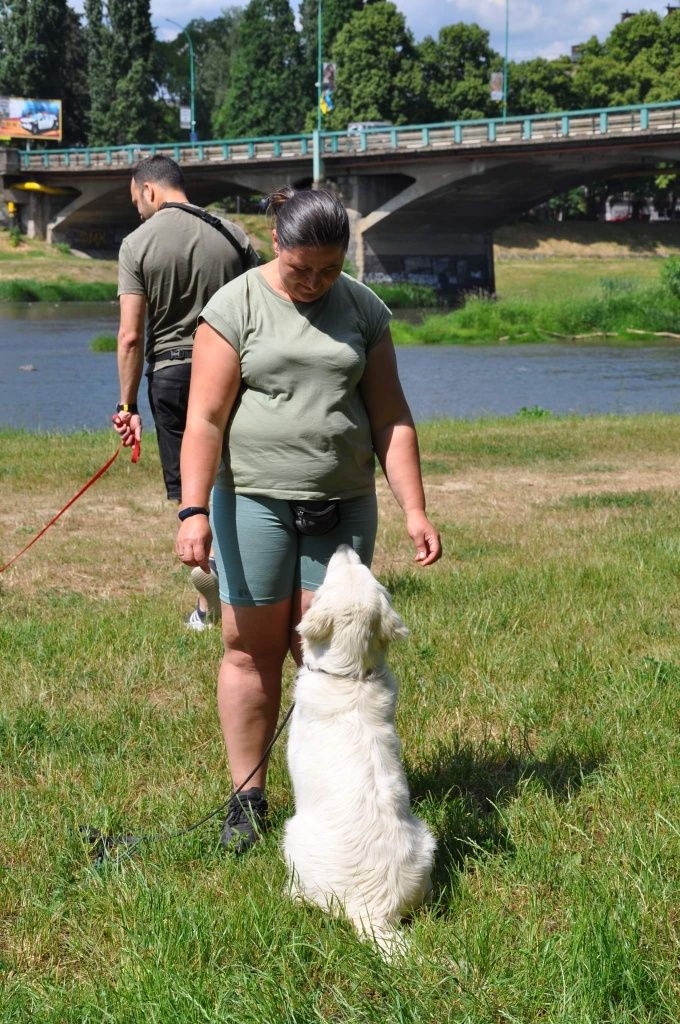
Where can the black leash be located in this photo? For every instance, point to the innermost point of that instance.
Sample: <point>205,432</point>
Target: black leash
<point>106,846</point>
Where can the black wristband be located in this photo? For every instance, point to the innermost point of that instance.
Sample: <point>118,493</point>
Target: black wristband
<point>192,510</point>
<point>130,407</point>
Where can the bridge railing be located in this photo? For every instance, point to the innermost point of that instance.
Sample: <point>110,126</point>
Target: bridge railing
<point>649,118</point>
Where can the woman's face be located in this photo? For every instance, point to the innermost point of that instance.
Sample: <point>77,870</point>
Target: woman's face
<point>307,272</point>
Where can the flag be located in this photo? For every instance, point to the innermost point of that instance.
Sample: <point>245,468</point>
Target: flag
<point>326,102</point>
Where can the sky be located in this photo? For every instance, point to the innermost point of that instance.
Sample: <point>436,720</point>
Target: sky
<point>537,28</point>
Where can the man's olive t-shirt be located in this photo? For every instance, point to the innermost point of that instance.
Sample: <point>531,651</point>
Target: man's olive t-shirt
<point>177,262</point>
<point>299,428</point>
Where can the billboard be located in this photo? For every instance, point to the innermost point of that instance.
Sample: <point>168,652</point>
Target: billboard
<point>22,118</point>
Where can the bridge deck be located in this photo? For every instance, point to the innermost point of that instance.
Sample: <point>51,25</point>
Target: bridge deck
<point>648,120</point>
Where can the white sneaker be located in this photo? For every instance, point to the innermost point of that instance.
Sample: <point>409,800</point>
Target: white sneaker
<point>198,620</point>
<point>208,586</point>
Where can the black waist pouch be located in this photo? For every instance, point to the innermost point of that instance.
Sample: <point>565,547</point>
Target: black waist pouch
<point>314,518</point>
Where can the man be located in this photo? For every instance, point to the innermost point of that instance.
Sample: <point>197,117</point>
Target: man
<point>167,270</point>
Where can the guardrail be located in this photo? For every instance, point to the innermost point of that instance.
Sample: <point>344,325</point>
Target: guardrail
<point>649,118</point>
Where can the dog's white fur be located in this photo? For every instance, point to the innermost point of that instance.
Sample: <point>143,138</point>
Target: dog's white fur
<point>353,845</point>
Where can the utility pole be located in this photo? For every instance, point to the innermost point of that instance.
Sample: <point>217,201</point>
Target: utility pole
<point>505,59</point>
<point>192,80</point>
<point>317,172</point>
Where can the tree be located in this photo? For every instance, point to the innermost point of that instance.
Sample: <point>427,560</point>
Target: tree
<point>264,95</point>
<point>213,43</point>
<point>120,72</point>
<point>538,86</point>
<point>336,14</point>
<point>376,74</point>
<point>456,70</point>
<point>639,62</point>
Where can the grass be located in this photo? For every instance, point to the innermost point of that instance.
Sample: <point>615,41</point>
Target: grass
<point>538,715</point>
<point>407,296</point>
<point>619,311</point>
<point>104,343</point>
<point>59,290</point>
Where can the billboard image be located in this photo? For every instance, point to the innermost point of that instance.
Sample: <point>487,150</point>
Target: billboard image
<point>22,118</point>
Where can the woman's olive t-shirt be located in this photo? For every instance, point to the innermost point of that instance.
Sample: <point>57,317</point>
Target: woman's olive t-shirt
<point>299,428</point>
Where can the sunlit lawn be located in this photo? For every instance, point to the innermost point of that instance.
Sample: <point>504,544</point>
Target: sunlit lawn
<point>539,719</point>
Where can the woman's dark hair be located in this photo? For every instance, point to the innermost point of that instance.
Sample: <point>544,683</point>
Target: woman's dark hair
<point>308,218</point>
<point>160,170</point>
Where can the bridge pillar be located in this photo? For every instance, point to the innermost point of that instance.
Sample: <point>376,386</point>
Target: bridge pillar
<point>451,262</point>
<point>405,230</point>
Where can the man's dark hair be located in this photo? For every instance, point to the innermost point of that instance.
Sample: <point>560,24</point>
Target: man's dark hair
<point>308,218</point>
<point>160,170</point>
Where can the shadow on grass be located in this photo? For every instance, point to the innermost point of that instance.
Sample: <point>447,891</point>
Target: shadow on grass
<point>463,792</point>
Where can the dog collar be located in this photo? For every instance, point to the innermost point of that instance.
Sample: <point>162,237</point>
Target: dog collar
<point>370,675</point>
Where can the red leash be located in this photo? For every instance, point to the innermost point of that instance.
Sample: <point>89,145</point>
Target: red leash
<point>100,472</point>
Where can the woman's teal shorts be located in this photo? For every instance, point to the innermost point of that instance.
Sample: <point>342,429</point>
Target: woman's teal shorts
<point>261,558</point>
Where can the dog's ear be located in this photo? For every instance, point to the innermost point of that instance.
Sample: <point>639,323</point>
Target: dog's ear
<point>391,626</point>
<point>317,623</point>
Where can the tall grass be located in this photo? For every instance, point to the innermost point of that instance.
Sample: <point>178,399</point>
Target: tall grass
<point>618,311</point>
<point>61,290</point>
<point>538,712</point>
<point>407,296</point>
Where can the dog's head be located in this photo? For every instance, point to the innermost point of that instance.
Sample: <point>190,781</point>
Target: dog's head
<point>351,621</point>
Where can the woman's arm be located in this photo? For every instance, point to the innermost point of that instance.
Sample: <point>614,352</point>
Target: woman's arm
<point>396,445</point>
<point>215,383</point>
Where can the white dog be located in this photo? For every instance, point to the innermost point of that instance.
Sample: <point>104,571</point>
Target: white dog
<point>353,845</point>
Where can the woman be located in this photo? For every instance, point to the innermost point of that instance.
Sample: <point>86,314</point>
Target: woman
<point>294,387</point>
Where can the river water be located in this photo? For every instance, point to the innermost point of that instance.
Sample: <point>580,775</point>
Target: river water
<point>70,388</point>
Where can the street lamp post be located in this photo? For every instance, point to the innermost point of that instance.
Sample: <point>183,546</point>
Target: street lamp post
<point>192,79</point>
<point>317,172</point>
<point>505,60</point>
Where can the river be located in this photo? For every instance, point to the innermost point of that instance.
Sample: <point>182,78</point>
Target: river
<point>71,388</point>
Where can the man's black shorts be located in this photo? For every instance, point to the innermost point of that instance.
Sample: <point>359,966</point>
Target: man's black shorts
<point>169,398</point>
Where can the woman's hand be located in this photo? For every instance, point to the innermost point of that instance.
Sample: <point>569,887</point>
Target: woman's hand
<point>426,539</point>
<point>194,539</point>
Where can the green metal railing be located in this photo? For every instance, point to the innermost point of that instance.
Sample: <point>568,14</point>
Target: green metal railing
<point>522,129</point>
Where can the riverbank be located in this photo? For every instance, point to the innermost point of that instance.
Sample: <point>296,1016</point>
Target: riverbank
<point>538,715</point>
<point>554,282</point>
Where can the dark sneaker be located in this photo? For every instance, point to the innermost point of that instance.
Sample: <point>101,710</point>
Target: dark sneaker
<point>245,822</point>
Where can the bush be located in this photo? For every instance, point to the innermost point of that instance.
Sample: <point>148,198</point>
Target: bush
<point>670,275</point>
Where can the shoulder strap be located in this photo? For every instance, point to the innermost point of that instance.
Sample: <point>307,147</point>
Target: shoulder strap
<point>216,223</point>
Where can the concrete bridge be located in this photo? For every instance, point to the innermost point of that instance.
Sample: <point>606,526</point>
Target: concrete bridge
<point>424,200</point>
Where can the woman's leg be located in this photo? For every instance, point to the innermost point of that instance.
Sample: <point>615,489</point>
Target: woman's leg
<point>249,684</point>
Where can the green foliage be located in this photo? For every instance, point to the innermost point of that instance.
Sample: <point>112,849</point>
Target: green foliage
<point>335,15</point>
<point>539,85</point>
<point>624,313</point>
<point>455,71</point>
<point>407,296</point>
<point>214,45</point>
<point>377,77</point>
<point>104,343</point>
<point>120,43</point>
<point>18,290</point>
<point>670,275</point>
<point>263,97</point>
<point>533,412</point>
<point>15,237</point>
